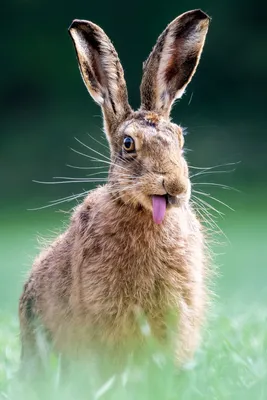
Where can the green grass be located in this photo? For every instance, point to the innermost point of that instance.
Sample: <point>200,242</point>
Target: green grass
<point>231,363</point>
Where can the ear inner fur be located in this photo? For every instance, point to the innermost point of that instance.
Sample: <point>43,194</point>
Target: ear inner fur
<point>173,61</point>
<point>101,71</point>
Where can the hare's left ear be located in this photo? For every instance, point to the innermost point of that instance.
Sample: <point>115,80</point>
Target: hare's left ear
<point>101,71</point>
<point>173,61</point>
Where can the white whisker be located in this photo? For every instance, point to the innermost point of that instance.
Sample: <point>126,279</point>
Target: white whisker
<point>87,156</point>
<point>211,172</point>
<point>204,219</point>
<point>214,166</point>
<point>76,167</point>
<point>216,184</point>
<point>73,181</point>
<point>74,178</point>
<point>212,223</point>
<point>214,198</point>
<point>97,141</point>
<point>59,201</point>
<point>71,197</point>
<point>97,159</point>
<point>91,149</point>
<point>210,206</point>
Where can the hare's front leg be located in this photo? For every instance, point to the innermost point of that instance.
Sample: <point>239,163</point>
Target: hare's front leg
<point>33,338</point>
<point>158,326</point>
<point>191,319</point>
<point>29,352</point>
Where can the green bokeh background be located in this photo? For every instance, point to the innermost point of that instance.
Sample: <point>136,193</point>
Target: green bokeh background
<point>44,105</point>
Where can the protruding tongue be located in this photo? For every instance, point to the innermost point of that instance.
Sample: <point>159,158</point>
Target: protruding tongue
<point>159,208</point>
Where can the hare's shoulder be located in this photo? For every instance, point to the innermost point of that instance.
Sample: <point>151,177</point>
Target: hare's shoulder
<point>85,211</point>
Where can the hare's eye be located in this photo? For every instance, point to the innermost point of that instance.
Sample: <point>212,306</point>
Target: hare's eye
<point>128,144</point>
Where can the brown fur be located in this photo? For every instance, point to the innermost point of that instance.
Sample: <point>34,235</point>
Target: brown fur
<point>113,263</point>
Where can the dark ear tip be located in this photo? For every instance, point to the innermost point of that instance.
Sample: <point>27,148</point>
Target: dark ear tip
<point>196,15</point>
<point>74,24</point>
<point>199,14</point>
<point>79,24</point>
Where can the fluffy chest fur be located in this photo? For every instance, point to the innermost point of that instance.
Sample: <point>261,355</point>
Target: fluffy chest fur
<point>122,259</point>
<point>113,266</point>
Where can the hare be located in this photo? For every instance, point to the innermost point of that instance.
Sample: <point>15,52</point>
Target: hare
<point>134,248</point>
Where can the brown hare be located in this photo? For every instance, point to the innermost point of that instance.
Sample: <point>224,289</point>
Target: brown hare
<point>134,247</point>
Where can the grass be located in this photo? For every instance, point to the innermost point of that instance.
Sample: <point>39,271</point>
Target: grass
<point>231,363</point>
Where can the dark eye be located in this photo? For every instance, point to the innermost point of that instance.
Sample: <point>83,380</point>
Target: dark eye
<point>128,144</point>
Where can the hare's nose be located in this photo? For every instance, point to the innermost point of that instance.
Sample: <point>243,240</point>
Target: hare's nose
<point>175,186</point>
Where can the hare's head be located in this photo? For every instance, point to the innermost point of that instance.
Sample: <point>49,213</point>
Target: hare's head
<point>148,168</point>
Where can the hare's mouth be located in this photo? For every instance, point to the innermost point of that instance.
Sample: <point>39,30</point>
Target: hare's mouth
<point>171,200</point>
<point>160,204</point>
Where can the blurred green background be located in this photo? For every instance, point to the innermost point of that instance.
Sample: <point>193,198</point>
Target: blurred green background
<point>44,105</point>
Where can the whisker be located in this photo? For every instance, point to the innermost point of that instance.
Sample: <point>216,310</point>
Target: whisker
<point>211,172</point>
<point>212,217</point>
<point>214,198</point>
<point>122,194</point>
<point>80,180</point>
<point>55,202</point>
<point>97,159</point>
<point>97,141</point>
<point>190,98</point>
<point>91,149</point>
<point>212,222</point>
<point>216,184</point>
<point>215,166</point>
<point>98,173</point>
<point>71,197</point>
<point>67,199</point>
<point>204,219</point>
<point>74,178</point>
<point>213,225</point>
<point>210,206</point>
<point>87,156</point>
<point>76,167</point>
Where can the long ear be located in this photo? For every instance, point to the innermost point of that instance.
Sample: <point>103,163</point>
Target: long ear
<point>173,61</point>
<point>101,71</point>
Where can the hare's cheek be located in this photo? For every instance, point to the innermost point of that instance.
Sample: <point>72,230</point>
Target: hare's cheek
<point>181,139</point>
<point>185,168</point>
<point>188,192</point>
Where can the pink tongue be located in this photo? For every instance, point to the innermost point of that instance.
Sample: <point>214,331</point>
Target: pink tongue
<point>159,208</point>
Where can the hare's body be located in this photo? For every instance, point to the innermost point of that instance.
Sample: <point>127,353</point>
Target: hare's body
<point>134,248</point>
<point>113,265</point>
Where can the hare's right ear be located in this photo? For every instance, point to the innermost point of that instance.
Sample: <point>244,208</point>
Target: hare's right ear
<point>101,71</point>
<point>173,61</point>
